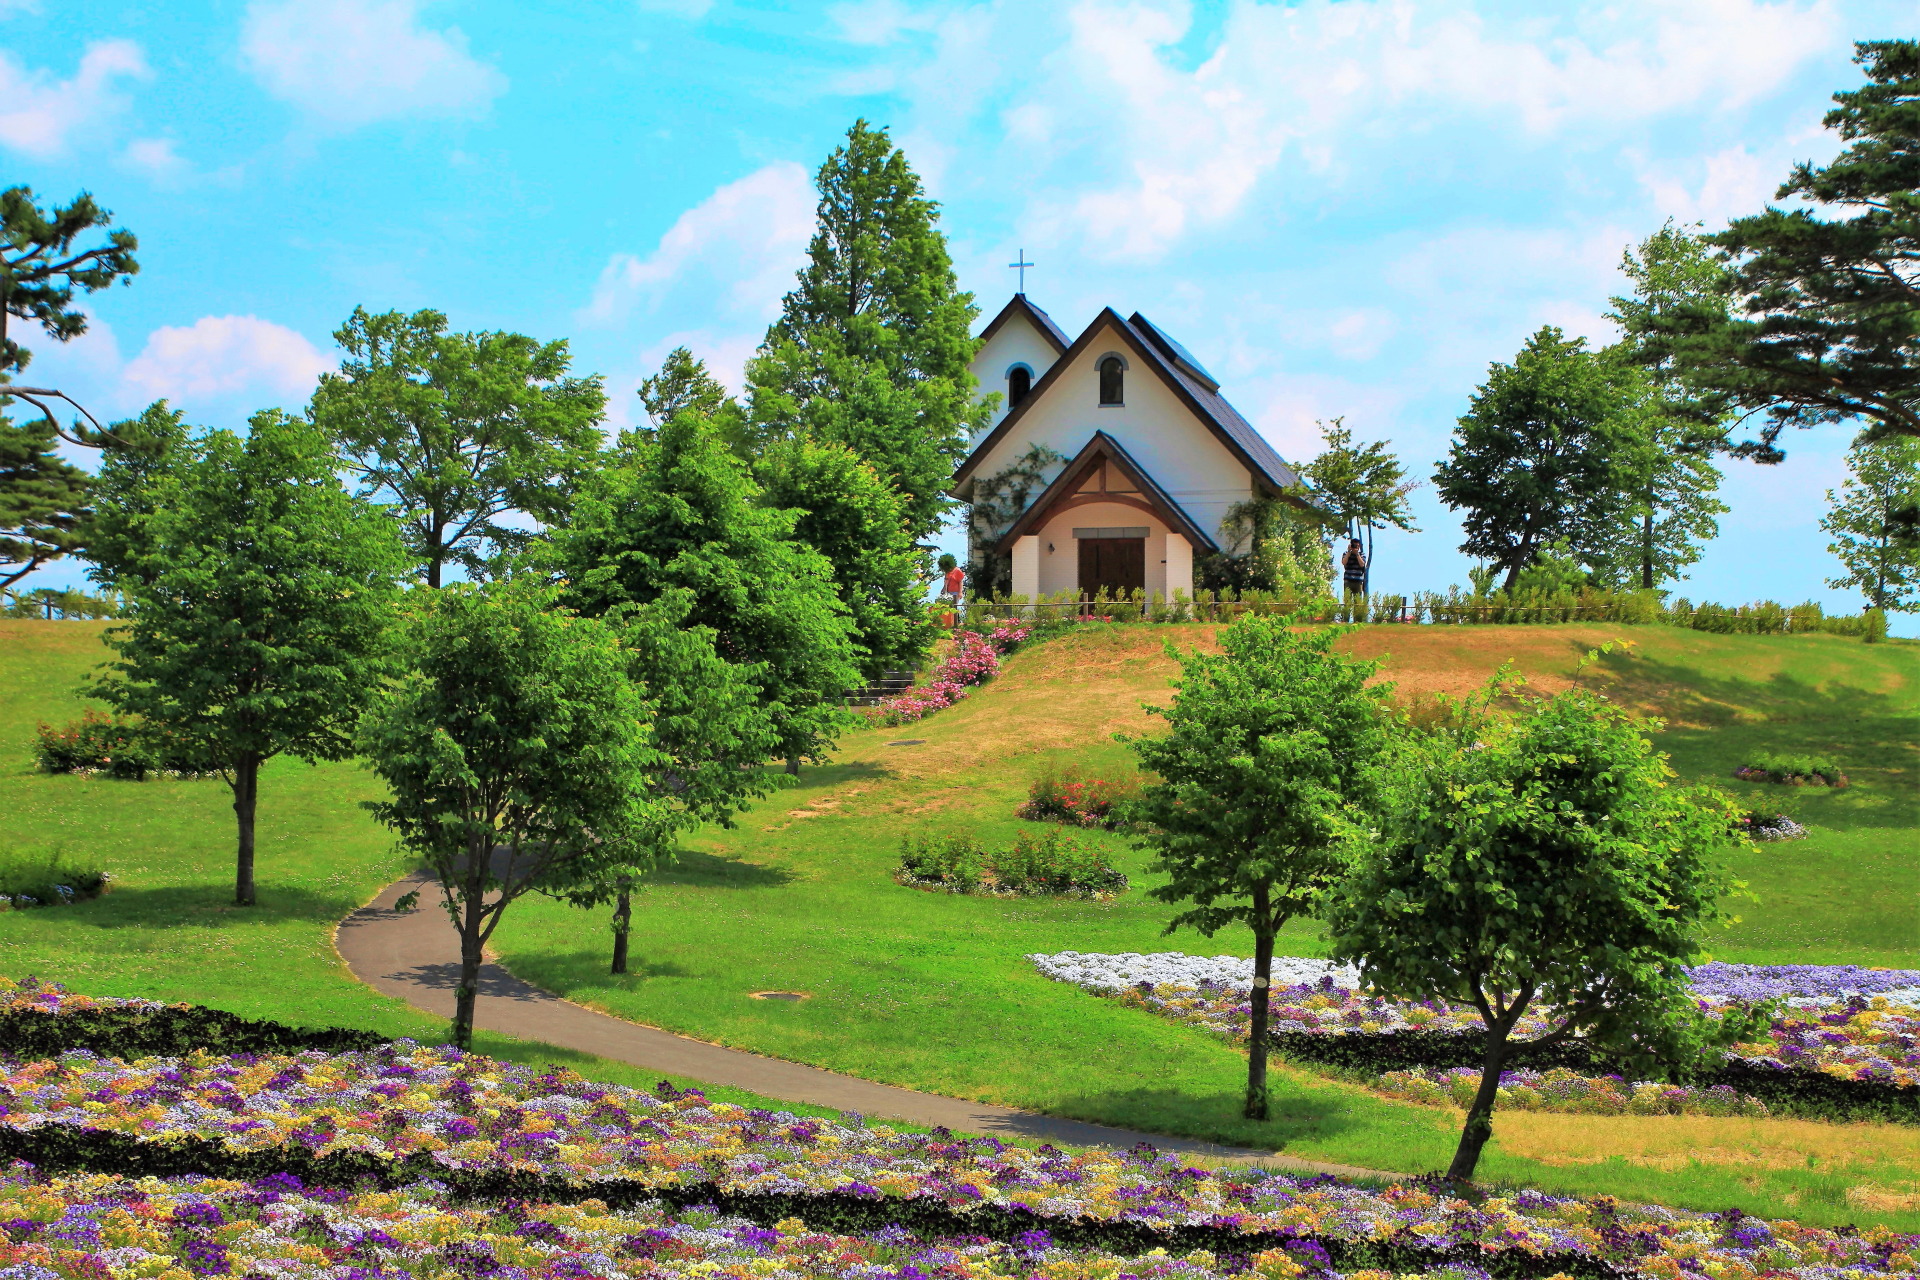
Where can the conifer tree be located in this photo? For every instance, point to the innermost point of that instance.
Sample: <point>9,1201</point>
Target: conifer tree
<point>872,344</point>
<point>674,509</point>
<point>1822,323</point>
<point>43,499</point>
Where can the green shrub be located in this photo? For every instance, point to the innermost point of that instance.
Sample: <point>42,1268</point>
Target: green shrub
<point>46,878</point>
<point>118,746</point>
<point>1793,770</point>
<point>957,862</point>
<point>1050,862</point>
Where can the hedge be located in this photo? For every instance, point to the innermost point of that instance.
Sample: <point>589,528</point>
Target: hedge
<point>168,1032</point>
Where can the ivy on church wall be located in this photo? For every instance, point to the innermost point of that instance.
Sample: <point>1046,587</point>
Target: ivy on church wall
<point>997,502</point>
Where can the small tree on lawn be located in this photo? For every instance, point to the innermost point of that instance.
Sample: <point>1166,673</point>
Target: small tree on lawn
<point>516,750</point>
<point>260,593</point>
<point>708,737</point>
<point>1543,862</point>
<point>1274,749</point>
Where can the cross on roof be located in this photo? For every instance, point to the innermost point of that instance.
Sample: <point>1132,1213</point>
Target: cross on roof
<point>1022,266</point>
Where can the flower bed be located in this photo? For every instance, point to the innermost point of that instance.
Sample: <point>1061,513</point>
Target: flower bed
<point>1845,1042</point>
<point>409,1161</point>
<point>99,1227</point>
<point>975,658</point>
<point>1053,864</point>
<point>1767,826</point>
<point>949,1202</point>
<point>1566,1091</point>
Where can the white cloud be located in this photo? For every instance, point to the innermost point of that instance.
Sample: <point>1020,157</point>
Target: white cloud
<point>224,356</point>
<point>40,115</point>
<point>156,158</point>
<point>347,63</point>
<point>1124,141</point>
<point>729,258</point>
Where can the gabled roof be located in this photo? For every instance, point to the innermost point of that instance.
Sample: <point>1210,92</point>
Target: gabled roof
<point>1104,447</point>
<point>1205,400</point>
<point>1040,320</point>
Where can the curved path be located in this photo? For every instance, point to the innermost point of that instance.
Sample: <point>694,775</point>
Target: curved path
<point>413,956</point>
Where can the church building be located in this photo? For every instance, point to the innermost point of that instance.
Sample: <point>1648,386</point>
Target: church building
<point>1155,457</point>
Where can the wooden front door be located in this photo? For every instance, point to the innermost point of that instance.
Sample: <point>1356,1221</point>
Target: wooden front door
<point>1118,564</point>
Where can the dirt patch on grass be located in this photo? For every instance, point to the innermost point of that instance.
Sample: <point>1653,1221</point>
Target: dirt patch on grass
<point>1674,1142</point>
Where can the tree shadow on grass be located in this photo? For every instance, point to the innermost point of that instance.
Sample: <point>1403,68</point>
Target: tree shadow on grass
<point>711,871</point>
<point>818,777</point>
<point>586,968</point>
<point>1193,1122</point>
<point>1716,721</point>
<point>200,907</point>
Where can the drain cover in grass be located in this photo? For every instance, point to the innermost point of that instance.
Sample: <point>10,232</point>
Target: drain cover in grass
<point>907,742</point>
<point>779,995</point>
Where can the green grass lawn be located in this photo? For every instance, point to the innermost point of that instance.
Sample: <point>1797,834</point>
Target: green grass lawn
<point>932,991</point>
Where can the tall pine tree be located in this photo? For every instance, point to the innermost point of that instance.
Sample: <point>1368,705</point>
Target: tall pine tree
<point>872,344</point>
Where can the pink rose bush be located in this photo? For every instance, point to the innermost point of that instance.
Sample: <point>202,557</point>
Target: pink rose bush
<point>975,659</point>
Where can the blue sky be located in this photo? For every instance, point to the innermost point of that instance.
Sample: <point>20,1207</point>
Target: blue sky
<point>1342,208</point>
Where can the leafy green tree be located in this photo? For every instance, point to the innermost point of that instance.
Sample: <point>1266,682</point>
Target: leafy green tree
<point>1547,451</point>
<point>1876,546</point>
<point>675,510</point>
<point>1547,862</point>
<point>43,499</point>
<point>260,594</point>
<point>1362,486</point>
<point>40,269</point>
<point>846,511</point>
<point>1272,754</point>
<point>1825,325</point>
<point>872,345</point>
<point>517,753</point>
<point>458,430</point>
<point>1671,507</point>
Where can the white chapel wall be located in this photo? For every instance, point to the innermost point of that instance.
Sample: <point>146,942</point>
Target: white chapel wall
<point>1017,342</point>
<point>1175,449</point>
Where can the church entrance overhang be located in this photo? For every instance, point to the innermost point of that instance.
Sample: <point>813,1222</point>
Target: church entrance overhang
<point>1071,489</point>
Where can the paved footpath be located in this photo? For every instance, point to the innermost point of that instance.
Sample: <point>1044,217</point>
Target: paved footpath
<point>413,956</point>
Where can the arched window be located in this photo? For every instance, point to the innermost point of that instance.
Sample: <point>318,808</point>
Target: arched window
<point>1019,382</point>
<point>1113,375</point>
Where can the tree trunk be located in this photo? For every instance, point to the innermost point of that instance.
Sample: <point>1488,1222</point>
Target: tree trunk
<point>622,920</point>
<point>793,766</point>
<point>1257,1032</point>
<point>1479,1126</point>
<point>1646,552</point>
<point>433,567</point>
<point>467,994</point>
<point>246,795</point>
